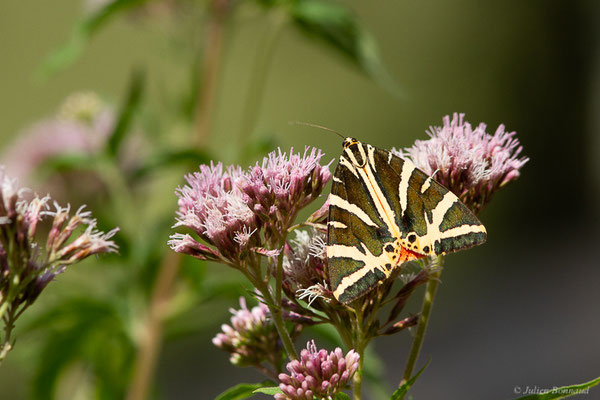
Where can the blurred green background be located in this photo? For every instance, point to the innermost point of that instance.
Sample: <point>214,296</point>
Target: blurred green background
<point>516,312</point>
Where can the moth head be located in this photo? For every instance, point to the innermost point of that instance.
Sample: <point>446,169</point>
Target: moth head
<point>355,152</point>
<point>349,142</point>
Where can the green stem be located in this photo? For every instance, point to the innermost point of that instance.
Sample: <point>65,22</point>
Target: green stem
<point>258,77</point>
<point>415,349</point>
<point>276,316</point>
<point>359,347</point>
<point>279,275</point>
<point>8,327</point>
<point>3,307</point>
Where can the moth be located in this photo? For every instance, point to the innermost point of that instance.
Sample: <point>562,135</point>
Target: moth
<point>383,212</point>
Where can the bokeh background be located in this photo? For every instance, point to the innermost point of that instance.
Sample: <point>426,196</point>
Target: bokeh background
<point>520,311</point>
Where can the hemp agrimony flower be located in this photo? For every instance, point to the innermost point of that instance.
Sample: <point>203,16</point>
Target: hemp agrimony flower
<point>27,264</point>
<point>251,339</point>
<point>241,212</point>
<point>244,218</point>
<point>317,374</point>
<point>214,207</point>
<point>470,162</point>
<point>282,185</point>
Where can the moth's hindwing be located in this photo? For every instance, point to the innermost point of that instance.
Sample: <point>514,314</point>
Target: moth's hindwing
<point>383,212</point>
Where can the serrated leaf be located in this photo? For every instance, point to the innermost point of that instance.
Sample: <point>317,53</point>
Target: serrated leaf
<point>336,26</point>
<point>273,390</point>
<point>563,392</point>
<point>128,110</point>
<point>242,391</point>
<point>82,32</point>
<point>403,389</point>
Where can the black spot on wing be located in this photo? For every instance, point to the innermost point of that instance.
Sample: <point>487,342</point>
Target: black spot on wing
<point>357,234</point>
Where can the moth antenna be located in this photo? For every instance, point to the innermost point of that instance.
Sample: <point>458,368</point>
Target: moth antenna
<point>317,126</point>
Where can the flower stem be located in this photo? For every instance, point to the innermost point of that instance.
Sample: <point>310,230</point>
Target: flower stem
<point>415,349</point>
<point>279,275</point>
<point>6,345</point>
<point>151,341</point>
<point>359,347</point>
<point>358,376</point>
<point>276,316</point>
<point>150,347</point>
<point>213,46</point>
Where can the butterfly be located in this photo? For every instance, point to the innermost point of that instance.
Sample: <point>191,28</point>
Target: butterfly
<point>383,212</point>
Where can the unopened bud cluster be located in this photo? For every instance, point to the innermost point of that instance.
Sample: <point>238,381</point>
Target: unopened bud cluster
<point>27,261</point>
<point>317,374</point>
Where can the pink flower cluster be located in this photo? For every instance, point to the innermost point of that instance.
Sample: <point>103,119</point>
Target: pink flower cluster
<point>251,339</point>
<point>215,208</point>
<point>283,185</point>
<point>317,374</point>
<point>238,212</point>
<point>470,162</point>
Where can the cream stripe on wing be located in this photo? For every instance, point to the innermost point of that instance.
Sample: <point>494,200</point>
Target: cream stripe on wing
<point>370,261</point>
<point>335,200</point>
<point>433,229</point>
<point>371,152</point>
<point>344,161</point>
<point>385,211</point>
<point>426,185</point>
<point>462,230</point>
<point>442,208</point>
<point>337,224</point>
<point>405,174</point>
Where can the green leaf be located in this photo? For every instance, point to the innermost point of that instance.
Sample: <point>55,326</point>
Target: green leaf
<point>171,157</point>
<point>272,390</point>
<point>337,27</point>
<point>82,32</point>
<point>563,392</point>
<point>85,331</point>
<point>242,391</point>
<point>403,389</point>
<point>342,396</point>
<point>66,162</point>
<point>128,110</point>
